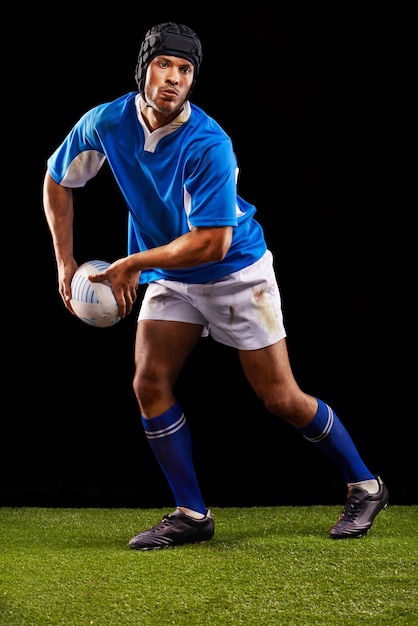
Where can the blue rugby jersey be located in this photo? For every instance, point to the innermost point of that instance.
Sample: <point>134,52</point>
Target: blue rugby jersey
<point>180,176</point>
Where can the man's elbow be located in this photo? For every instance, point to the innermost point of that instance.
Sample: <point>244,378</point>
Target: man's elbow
<point>222,250</point>
<point>223,244</point>
<point>214,243</point>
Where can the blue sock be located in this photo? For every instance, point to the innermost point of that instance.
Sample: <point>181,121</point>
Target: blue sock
<point>329,435</point>
<point>169,437</point>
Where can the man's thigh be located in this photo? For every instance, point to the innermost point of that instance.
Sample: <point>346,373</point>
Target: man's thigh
<point>162,347</point>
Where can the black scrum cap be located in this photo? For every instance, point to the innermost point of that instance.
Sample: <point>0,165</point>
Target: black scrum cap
<point>171,39</point>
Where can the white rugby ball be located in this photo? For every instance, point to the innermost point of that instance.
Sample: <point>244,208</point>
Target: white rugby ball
<point>93,303</point>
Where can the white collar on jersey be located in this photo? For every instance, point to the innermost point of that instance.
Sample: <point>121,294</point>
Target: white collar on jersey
<point>152,138</point>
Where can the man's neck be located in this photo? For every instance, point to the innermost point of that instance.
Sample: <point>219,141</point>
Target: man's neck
<point>154,119</point>
<point>143,111</point>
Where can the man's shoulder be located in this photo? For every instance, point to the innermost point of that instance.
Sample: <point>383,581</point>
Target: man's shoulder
<point>118,104</point>
<point>207,124</point>
<point>109,114</point>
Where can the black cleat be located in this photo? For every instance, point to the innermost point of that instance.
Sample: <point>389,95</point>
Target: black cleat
<point>359,512</point>
<point>175,529</point>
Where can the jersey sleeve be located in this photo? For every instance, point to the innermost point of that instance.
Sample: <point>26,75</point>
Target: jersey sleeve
<point>80,156</point>
<point>210,189</point>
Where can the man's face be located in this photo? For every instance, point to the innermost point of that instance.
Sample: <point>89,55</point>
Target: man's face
<point>167,83</point>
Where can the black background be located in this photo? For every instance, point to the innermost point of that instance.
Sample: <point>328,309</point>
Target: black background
<point>319,100</point>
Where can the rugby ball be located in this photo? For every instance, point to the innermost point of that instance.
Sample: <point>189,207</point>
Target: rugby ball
<point>93,303</point>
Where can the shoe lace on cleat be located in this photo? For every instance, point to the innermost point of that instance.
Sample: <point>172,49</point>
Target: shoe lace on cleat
<point>352,510</point>
<point>165,523</point>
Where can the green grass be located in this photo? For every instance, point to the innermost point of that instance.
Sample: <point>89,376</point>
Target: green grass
<point>265,565</point>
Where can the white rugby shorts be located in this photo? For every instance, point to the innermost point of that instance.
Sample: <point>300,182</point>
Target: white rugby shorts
<point>242,310</point>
